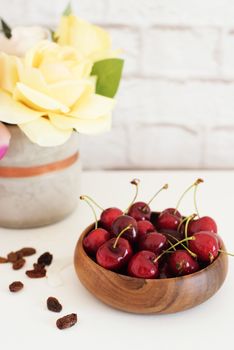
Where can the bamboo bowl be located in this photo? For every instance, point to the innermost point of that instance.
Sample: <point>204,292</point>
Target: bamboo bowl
<point>148,296</point>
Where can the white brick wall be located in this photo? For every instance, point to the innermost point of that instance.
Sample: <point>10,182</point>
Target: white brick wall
<point>176,103</point>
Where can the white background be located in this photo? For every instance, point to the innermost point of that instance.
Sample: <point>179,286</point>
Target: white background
<point>176,103</point>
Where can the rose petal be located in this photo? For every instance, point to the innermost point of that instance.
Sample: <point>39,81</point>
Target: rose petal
<point>13,112</point>
<point>84,126</point>
<point>44,133</point>
<point>5,137</point>
<point>8,72</point>
<point>87,38</point>
<point>37,100</point>
<point>92,107</point>
<point>68,92</point>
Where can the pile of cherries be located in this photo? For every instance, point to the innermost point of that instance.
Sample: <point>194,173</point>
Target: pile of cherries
<point>145,244</point>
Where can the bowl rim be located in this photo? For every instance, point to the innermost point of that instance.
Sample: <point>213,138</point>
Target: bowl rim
<point>148,280</point>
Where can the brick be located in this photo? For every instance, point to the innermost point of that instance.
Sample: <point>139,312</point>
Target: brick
<point>219,148</point>
<point>206,103</point>
<point>228,54</point>
<point>128,41</point>
<point>107,150</point>
<point>180,52</point>
<point>175,12</point>
<point>48,12</point>
<point>163,146</point>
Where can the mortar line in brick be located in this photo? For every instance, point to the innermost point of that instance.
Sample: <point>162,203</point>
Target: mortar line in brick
<point>217,80</point>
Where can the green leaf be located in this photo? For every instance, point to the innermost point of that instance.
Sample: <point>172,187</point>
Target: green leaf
<point>68,10</point>
<point>108,72</point>
<point>6,29</point>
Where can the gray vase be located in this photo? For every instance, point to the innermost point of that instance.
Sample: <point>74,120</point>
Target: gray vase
<point>41,199</point>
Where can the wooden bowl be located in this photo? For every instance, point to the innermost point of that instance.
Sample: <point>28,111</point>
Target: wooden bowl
<point>148,296</point>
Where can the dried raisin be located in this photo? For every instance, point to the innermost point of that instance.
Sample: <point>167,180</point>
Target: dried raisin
<point>16,286</point>
<point>45,259</point>
<point>53,304</point>
<point>66,321</point>
<point>18,264</point>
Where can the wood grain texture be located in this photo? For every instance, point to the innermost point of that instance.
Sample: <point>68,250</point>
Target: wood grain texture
<point>145,296</point>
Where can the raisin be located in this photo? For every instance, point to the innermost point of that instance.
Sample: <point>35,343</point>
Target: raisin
<point>3,260</point>
<point>40,273</point>
<point>18,264</point>
<point>27,251</point>
<point>66,321</point>
<point>16,286</point>
<point>45,259</point>
<point>38,266</point>
<point>53,304</point>
<point>12,257</point>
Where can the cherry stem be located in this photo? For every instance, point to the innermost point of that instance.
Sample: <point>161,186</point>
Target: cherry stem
<point>120,234</point>
<point>134,182</point>
<point>224,252</point>
<point>173,246</point>
<point>184,246</point>
<point>84,198</point>
<point>165,187</point>
<point>195,195</point>
<point>87,198</point>
<point>189,218</point>
<point>198,181</point>
<point>183,221</point>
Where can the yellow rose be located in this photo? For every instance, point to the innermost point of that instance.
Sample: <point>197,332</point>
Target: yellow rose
<point>91,41</point>
<point>49,93</point>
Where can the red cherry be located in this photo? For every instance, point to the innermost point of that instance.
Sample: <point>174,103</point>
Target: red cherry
<point>143,265</point>
<point>108,216</point>
<point>121,223</point>
<point>181,263</point>
<point>95,239</point>
<point>154,242</point>
<point>204,223</point>
<point>164,271</point>
<point>169,219</point>
<point>139,211</point>
<point>205,245</point>
<point>114,257</point>
<point>144,227</point>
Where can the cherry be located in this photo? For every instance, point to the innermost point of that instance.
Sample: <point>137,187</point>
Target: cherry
<point>205,245</point>
<point>108,216</point>
<point>123,221</point>
<point>154,242</point>
<point>164,271</point>
<point>169,219</point>
<point>143,265</point>
<point>141,210</point>
<point>204,223</point>
<point>96,237</point>
<point>144,227</point>
<point>181,263</point>
<point>114,258</point>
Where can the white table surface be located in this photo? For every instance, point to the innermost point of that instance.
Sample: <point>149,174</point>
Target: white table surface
<point>25,322</point>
